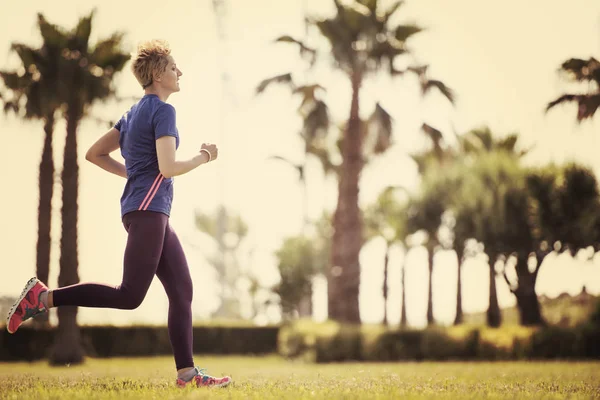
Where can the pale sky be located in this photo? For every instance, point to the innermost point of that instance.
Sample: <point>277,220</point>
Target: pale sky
<point>500,58</point>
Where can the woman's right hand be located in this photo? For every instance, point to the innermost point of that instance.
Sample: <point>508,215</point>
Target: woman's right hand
<point>211,149</point>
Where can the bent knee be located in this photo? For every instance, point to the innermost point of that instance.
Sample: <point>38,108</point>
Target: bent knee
<point>132,301</point>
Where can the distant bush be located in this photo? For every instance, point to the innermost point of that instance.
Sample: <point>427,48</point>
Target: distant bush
<point>332,342</point>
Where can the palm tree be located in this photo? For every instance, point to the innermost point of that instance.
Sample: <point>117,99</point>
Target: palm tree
<point>426,212</point>
<point>441,168</point>
<point>387,219</point>
<point>228,237</point>
<point>503,181</point>
<point>34,97</point>
<point>377,218</point>
<point>363,41</point>
<point>564,210</point>
<point>300,259</point>
<point>86,75</point>
<point>430,205</point>
<point>586,72</point>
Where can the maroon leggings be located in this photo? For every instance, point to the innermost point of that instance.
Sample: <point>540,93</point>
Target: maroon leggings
<point>152,248</point>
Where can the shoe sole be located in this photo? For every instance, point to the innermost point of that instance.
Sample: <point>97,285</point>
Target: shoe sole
<point>222,385</point>
<point>30,284</point>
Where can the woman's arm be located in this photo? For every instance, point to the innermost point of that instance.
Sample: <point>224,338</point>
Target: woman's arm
<point>99,154</point>
<point>169,166</point>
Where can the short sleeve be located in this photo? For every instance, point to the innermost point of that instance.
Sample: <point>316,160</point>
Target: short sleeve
<point>119,123</point>
<point>164,123</point>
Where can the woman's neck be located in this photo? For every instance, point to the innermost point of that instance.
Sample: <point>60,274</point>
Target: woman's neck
<point>162,95</point>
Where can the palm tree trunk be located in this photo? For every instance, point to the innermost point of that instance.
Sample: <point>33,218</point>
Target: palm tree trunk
<point>403,321</point>
<point>305,219</point>
<point>67,346</point>
<point>344,275</point>
<point>385,284</point>
<point>494,319</point>
<point>458,319</point>
<point>527,300</point>
<point>305,305</point>
<point>430,254</point>
<point>305,308</point>
<point>46,187</point>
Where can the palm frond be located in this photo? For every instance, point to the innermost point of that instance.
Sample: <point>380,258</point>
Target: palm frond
<point>340,38</point>
<point>369,4</point>
<point>14,81</point>
<point>508,143</point>
<point>11,106</point>
<point>298,167</point>
<point>379,130</point>
<point>308,92</point>
<point>436,138</point>
<point>316,122</point>
<point>108,54</point>
<point>485,138</point>
<point>285,79</point>
<point>80,36</point>
<point>52,34</point>
<point>563,99</point>
<point>445,90</point>
<point>386,50</point>
<point>582,70</point>
<point>27,55</point>
<point>305,51</point>
<point>324,156</point>
<point>419,70</point>
<point>587,104</point>
<point>403,32</point>
<point>392,10</point>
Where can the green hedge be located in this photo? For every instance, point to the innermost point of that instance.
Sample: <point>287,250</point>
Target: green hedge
<point>331,342</point>
<point>108,341</point>
<point>327,342</point>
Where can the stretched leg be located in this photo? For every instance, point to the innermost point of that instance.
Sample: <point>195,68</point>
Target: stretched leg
<point>146,233</point>
<point>174,275</point>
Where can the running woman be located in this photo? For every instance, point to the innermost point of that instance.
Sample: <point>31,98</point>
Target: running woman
<point>148,138</point>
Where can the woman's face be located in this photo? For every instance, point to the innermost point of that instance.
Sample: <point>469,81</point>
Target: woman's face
<point>169,80</point>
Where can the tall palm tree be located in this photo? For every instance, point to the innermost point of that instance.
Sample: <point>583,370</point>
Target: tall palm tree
<point>363,42</point>
<point>86,75</point>
<point>432,201</point>
<point>34,97</point>
<point>586,72</point>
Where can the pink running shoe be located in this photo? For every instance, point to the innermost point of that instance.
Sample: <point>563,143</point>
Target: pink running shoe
<point>203,380</point>
<point>27,305</point>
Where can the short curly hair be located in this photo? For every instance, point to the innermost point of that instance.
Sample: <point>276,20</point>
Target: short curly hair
<point>151,58</point>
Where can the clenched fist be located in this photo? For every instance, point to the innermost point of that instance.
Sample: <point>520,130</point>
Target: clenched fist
<point>211,149</point>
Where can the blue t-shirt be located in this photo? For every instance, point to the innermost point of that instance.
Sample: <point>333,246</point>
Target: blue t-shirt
<point>146,189</point>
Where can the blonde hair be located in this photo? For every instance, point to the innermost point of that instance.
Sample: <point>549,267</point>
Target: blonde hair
<point>151,59</point>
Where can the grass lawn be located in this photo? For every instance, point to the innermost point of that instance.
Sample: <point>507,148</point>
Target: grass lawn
<point>274,378</point>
